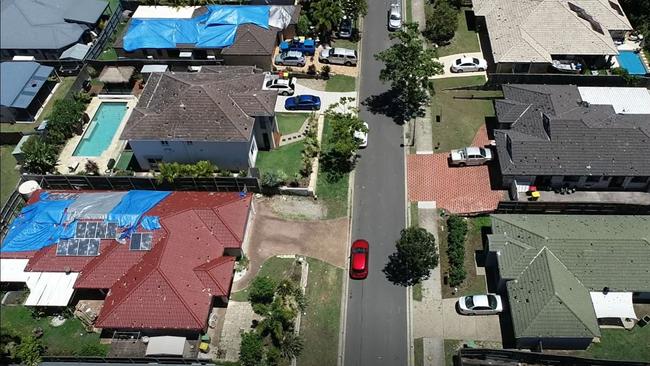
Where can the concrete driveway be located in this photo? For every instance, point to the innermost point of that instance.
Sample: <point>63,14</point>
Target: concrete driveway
<point>448,61</point>
<point>326,98</point>
<point>464,327</point>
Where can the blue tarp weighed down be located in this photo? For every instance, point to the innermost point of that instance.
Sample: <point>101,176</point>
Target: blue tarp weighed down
<point>151,223</point>
<point>133,206</point>
<point>38,225</point>
<point>214,29</point>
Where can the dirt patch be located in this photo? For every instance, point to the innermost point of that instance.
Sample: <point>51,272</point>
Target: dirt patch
<point>273,234</point>
<point>296,208</point>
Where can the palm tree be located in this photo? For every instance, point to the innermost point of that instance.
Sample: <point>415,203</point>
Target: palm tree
<point>291,345</point>
<point>326,14</point>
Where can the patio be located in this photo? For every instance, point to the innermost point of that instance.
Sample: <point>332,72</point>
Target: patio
<point>641,198</point>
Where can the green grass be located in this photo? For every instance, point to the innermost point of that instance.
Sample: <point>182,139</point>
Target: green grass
<point>415,217</point>
<point>619,344</point>
<point>9,176</point>
<point>341,84</point>
<point>460,118</point>
<point>274,267</point>
<point>409,11</point>
<point>319,327</point>
<point>345,43</point>
<point>451,347</point>
<point>67,339</point>
<point>60,93</point>
<point>290,122</point>
<point>417,291</point>
<point>464,41</point>
<point>285,158</point>
<point>108,53</point>
<point>333,193</point>
<point>418,349</point>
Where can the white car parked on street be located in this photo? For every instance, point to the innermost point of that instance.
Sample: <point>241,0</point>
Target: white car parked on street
<point>480,304</point>
<point>469,64</point>
<point>363,136</point>
<point>394,17</point>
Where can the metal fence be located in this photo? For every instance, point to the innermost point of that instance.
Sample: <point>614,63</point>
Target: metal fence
<point>9,211</point>
<point>469,356</point>
<point>566,79</point>
<point>80,182</point>
<point>572,208</point>
<point>106,34</point>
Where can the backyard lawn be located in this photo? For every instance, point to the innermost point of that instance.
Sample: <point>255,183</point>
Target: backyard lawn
<point>285,158</point>
<point>340,83</point>
<point>460,119</point>
<point>344,43</point>
<point>60,93</point>
<point>290,122</point>
<point>9,176</point>
<point>320,323</point>
<point>618,344</point>
<point>464,40</point>
<point>473,283</point>
<point>68,339</point>
<point>275,267</point>
<point>332,192</point>
<point>109,54</point>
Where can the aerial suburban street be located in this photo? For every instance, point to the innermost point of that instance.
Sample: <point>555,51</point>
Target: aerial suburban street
<point>376,324</point>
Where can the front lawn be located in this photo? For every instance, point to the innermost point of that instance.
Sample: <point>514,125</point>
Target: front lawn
<point>464,41</point>
<point>418,350</point>
<point>275,267</point>
<point>8,175</point>
<point>60,93</point>
<point>69,339</point>
<point>341,84</point>
<point>285,158</point>
<point>290,122</point>
<point>619,344</point>
<point>319,327</point>
<point>460,119</point>
<point>345,43</point>
<point>331,191</point>
<point>473,284</point>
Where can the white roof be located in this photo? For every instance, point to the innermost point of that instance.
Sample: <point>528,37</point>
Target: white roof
<point>165,345</point>
<point>534,30</point>
<point>624,100</point>
<point>613,305</point>
<point>164,12</point>
<point>45,288</point>
<point>343,51</point>
<point>153,68</point>
<point>23,58</point>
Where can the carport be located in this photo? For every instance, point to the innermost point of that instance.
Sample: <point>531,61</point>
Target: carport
<point>614,309</point>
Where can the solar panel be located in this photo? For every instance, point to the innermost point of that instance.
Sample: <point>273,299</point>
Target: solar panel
<point>101,230</point>
<point>73,246</point>
<point>93,247</point>
<point>81,230</point>
<point>91,228</point>
<point>111,231</point>
<point>141,241</point>
<point>62,248</point>
<point>82,249</point>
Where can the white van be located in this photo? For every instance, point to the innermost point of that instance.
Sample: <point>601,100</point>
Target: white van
<point>340,56</point>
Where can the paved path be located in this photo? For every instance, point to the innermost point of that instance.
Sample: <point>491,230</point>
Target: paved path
<point>272,235</point>
<point>239,319</point>
<point>448,60</point>
<point>418,13</point>
<point>326,98</point>
<point>376,322</point>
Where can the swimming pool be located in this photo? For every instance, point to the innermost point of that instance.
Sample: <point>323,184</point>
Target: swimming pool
<point>102,128</point>
<point>631,61</point>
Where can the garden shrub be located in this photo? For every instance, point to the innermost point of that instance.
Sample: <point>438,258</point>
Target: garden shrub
<point>456,233</point>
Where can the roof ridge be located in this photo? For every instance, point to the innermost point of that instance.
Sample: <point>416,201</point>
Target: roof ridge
<point>216,212</point>
<point>584,23</point>
<point>178,295</point>
<point>99,259</point>
<point>217,262</point>
<point>228,96</point>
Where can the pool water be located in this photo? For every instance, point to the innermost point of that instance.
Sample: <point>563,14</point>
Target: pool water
<point>632,62</point>
<point>102,128</point>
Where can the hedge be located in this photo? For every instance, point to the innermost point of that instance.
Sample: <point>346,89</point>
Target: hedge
<point>456,233</point>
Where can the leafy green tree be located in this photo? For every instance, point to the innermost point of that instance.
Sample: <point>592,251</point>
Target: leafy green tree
<point>415,257</point>
<point>408,66</point>
<point>344,121</point>
<point>303,25</point>
<point>273,178</point>
<point>29,351</point>
<point>638,11</point>
<point>203,169</point>
<point>441,23</point>
<point>262,290</point>
<point>64,120</point>
<point>291,345</point>
<point>355,8</point>
<point>251,350</point>
<point>39,156</point>
<point>325,15</point>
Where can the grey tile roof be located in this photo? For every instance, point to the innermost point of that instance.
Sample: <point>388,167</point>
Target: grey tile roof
<point>581,139</point>
<point>46,24</point>
<point>217,104</point>
<point>252,40</point>
<point>535,30</point>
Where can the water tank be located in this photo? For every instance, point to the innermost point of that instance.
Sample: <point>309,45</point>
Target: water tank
<point>27,188</point>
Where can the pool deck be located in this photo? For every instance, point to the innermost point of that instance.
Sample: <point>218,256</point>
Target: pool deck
<point>632,46</point>
<point>69,164</point>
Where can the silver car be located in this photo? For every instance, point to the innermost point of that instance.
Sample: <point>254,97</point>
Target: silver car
<point>340,56</point>
<point>290,58</point>
<point>470,156</point>
<point>394,17</point>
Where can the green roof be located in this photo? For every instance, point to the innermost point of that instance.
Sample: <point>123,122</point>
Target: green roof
<point>547,300</point>
<point>599,250</point>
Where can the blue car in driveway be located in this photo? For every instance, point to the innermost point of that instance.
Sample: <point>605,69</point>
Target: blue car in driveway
<point>302,103</point>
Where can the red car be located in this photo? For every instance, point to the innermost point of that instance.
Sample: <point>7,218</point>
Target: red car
<point>359,259</point>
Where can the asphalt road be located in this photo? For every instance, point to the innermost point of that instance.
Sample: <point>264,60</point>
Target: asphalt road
<point>376,324</point>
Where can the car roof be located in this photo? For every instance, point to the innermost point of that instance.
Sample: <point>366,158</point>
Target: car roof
<point>480,300</point>
<point>473,150</point>
<point>281,81</point>
<point>307,97</point>
<point>343,51</point>
<point>467,59</point>
<point>359,261</point>
<point>294,53</point>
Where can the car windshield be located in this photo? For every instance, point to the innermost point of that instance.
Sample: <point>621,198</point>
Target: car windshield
<point>462,154</point>
<point>483,152</point>
<point>476,62</point>
<point>394,17</point>
<point>492,300</point>
<point>458,62</point>
<point>358,250</point>
<point>469,302</point>
<point>269,83</point>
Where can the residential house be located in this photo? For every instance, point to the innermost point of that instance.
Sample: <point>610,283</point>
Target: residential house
<point>566,276</point>
<point>24,88</point>
<point>165,278</point>
<point>45,29</point>
<point>578,137</point>
<point>229,34</point>
<point>525,36</point>
<point>220,114</point>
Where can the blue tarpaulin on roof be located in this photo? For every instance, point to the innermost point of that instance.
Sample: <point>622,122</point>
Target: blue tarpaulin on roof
<point>38,225</point>
<point>214,29</point>
<point>151,223</point>
<point>133,206</point>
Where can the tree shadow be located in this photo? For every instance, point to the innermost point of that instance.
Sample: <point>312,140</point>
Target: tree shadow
<point>388,104</point>
<point>397,272</point>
